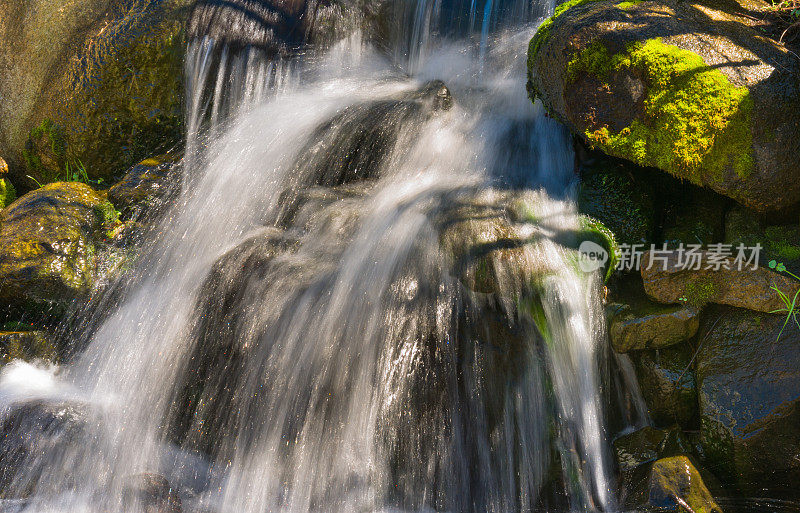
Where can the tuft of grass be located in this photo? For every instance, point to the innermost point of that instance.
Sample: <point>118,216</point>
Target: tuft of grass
<point>789,305</point>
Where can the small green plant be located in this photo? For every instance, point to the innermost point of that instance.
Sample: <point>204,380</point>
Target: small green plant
<point>77,173</point>
<point>789,306</point>
<point>36,181</point>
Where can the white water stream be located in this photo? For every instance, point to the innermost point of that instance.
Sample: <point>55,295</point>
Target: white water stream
<point>352,383</point>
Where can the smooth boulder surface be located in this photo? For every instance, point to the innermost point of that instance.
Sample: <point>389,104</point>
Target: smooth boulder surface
<point>749,394</point>
<point>668,280</point>
<point>49,241</point>
<point>89,84</point>
<point>680,86</point>
<point>644,325</point>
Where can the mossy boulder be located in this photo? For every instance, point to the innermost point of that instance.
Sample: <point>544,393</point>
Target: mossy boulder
<point>659,471</point>
<point>678,86</point>
<point>91,86</point>
<point>49,241</point>
<point>667,380</point>
<point>748,378</point>
<point>675,485</point>
<point>7,191</point>
<point>673,277</point>
<point>27,345</point>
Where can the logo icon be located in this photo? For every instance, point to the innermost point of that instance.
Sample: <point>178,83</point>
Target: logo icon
<point>591,256</point>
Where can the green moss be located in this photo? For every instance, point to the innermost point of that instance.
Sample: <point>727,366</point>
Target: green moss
<point>543,31</point>
<point>532,305</point>
<point>594,230</point>
<point>628,5</point>
<point>780,242</point>
<point>699,293</point>
<point>7,193</point>
<point>612,195</point>
<point>45,151</point>
<point>696,124</point>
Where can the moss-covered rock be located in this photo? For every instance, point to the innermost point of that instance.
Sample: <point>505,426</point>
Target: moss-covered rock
<point>49,241</point>
<point>93,85</point>
<point>749,397</point>
<point>667,380</point>
<point>26,345</point>
<point>7,191</point>
<point>679,86</point>
<point>673,277</point>
<point>659,471</point>
<point>611,194</point>
<point>676,486</point>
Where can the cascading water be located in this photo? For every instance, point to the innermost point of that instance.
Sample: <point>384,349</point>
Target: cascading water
<point>362,300</point>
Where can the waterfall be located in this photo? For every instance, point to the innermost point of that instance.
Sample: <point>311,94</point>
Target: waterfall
<point>364,299</point>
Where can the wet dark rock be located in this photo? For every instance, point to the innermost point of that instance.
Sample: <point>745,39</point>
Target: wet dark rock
<point>680,86</point>
<point>647,325</point>
<point>152,493</point>
<point>667,279</point>
<point>667,381</point>
<point>747,377</point>
<point>145,182</point>
<point>643,446</point>
<point>486,246</point>
<point>355,144</point>
<point>274,25</point>
<point>692,216</point>
<point>279,28</point>
<point>36,428</point>
<point>49,240</point>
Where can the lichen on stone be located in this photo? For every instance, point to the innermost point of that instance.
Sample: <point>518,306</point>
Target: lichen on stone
<point>695,123</point>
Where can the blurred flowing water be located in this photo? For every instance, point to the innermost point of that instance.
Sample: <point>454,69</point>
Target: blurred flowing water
<point>304,334</point>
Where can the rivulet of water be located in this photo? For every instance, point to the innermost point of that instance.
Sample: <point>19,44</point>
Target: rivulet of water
<point>362,300</point>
